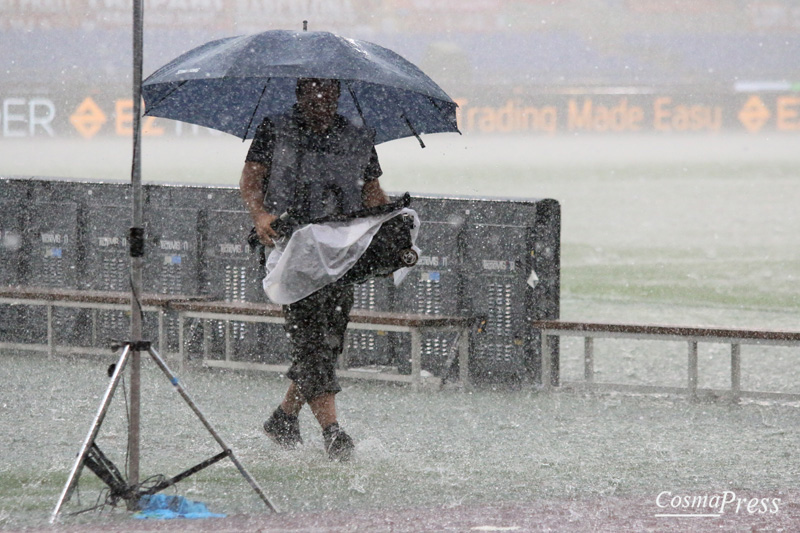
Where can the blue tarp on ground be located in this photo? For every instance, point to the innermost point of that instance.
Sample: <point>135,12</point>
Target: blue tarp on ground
<point>163,507</point>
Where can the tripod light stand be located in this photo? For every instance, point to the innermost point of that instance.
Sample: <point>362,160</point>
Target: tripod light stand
<point>93,458</point>
<point>90,455</point>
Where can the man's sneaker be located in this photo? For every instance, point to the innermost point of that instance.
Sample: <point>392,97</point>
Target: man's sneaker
<point>283,429</point>
<point>338,444</point>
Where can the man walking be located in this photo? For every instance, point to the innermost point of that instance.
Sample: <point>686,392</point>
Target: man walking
<point>317,163</point>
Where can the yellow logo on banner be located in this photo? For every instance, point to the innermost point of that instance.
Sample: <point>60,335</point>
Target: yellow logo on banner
<point>754,114</point>
<point>88,118</point>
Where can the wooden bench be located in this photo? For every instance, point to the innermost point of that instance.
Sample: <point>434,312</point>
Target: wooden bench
<point>413,324</point>
<point>550,329</point>
<point>49,298</point>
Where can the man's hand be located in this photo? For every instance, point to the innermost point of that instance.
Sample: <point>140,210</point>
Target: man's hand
<point>372,194</point>
<point>264,229</point>
<point>251,187</point>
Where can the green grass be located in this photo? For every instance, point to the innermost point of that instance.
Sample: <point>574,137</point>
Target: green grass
<point>413,449</point>
<point>687,277</point>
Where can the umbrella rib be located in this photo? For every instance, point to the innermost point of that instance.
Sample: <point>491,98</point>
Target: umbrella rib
<point>438,107</point>
<point>181,84</point>
<point>433,101</point>
<point>255,110</point>
<point>355,101</point>
<point>408,123</point>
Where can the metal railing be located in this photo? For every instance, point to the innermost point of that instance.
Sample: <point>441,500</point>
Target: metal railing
<point>552,329</point>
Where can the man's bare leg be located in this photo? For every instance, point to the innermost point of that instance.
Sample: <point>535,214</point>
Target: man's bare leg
<point>283,426</point>
<point>293,401</point>
<point>338,444</point>
<point>324,409</point>
<point>323,406</point>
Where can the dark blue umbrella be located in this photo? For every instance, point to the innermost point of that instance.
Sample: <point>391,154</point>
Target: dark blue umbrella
<point>232,84</point>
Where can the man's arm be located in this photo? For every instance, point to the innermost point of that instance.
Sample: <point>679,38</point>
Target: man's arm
<point>372,194</point>
<point>251,189</point>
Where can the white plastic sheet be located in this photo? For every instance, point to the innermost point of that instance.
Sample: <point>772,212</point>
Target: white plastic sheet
<point>319,254</point>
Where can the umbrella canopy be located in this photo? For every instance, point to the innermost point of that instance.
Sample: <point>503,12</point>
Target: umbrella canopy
<point>232,84</point>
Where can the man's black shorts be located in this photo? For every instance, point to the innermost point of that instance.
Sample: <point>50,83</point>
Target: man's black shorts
<point>316,326</point>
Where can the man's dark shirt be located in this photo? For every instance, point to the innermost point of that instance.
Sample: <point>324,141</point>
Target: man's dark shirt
<point>264,143</point>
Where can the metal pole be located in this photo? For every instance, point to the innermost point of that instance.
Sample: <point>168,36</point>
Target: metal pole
<point>463,359</point>
<point>588,359</point>
<point>416,359</point>
<point>693,369</point>
<point>736,372</point>
<point>137,249</point>
<point>546,366</point>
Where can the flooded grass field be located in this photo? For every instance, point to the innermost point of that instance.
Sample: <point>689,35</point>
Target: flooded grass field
<point>413,450</point>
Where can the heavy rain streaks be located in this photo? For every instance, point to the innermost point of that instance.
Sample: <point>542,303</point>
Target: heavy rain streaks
<point>667,133</point>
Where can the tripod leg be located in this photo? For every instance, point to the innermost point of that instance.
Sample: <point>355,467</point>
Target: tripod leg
<point>87,443</point>
<point>185,395</point>
<point>97,462</point>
